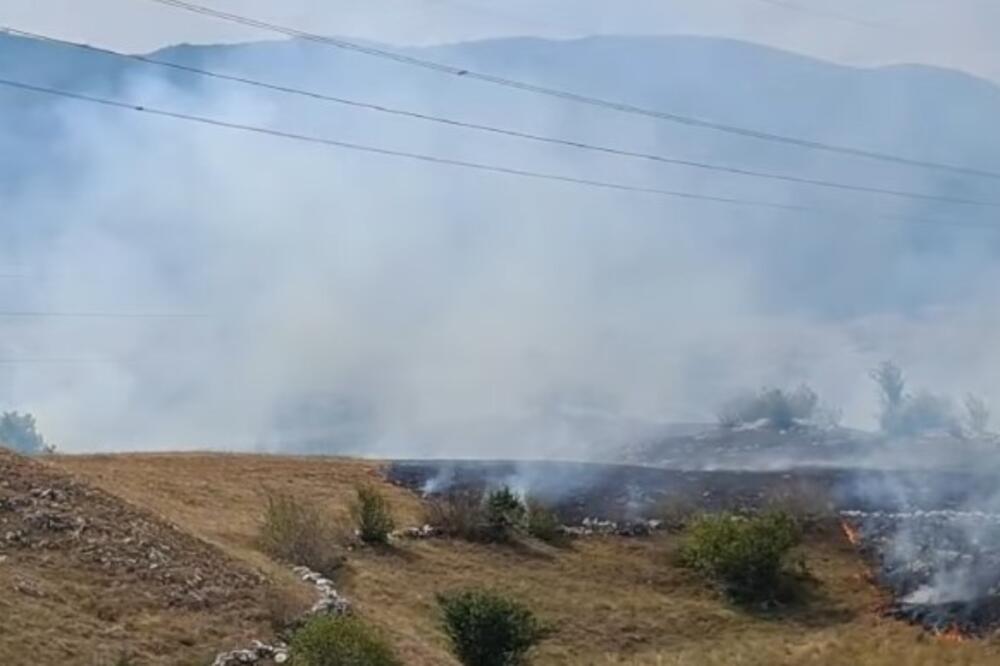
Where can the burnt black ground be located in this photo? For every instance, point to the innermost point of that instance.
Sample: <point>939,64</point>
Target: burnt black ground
<point>615,491</point>
<point>915,526</point>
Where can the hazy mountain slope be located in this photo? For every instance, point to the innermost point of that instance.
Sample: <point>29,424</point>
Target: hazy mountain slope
<point>919,112</point>
<point>432,300</point>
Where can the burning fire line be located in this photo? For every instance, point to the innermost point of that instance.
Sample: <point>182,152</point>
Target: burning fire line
<point>916,613</point>
<point>853,534</point>
<point>952,635</point>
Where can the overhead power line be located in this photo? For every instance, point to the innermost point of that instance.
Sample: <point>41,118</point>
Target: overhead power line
<point>56,361</point>
<point>570,96</point>
<point>477,166</point>
<point>40,314</point>
<point>580,145</point>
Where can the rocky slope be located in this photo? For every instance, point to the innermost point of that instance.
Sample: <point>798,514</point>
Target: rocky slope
<point>86,577</point>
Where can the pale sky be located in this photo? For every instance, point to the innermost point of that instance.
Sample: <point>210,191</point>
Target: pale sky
<point>951,33</point>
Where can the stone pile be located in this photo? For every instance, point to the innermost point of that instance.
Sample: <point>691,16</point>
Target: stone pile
<point>599,527</point>
<point>257,653</point>
<point>422,532</point>
<point>330,602</point>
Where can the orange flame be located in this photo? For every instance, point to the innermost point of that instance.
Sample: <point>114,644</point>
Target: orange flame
<point>852,534</point>
<point>952,635</point>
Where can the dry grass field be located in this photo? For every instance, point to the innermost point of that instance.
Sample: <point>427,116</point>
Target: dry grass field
<point>614,601</point>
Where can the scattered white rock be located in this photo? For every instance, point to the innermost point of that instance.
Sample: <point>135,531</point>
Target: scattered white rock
<point>257,653</point>
<point>330,602</point>
<point>422,532</point>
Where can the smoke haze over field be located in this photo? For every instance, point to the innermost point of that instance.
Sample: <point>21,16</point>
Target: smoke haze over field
<point>354,302</point>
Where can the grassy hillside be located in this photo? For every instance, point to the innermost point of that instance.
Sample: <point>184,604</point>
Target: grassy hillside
<point>613,600</point>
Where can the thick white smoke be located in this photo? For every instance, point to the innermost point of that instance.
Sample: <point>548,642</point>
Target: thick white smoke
<point>413,309</point>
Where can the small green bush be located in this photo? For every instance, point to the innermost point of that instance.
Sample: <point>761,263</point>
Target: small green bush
<point>297,532</point>
<point>544,523</point>
<point>747,557</point>
<point>504,514</point>
<point>373,515</point>
<point>340,641</point>
<point>487,629</point>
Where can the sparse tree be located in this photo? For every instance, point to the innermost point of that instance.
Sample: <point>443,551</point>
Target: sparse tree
<point>373,515</point>
<point>922,413</point>
<point>977,414</point>
<point>19,433</point>
<point>778,408</point>
<point>905,414</point>
<point>504,514</point>
<point>892,386</point>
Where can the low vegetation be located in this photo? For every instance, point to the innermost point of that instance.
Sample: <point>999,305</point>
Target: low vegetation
<point>298,532</point>
<point>543,523</point>
<point>774,407</point>
<point>615,601</point>
<point>373,516</point>
<point>489,629</point>
<point>459,514</point>
<point>340,641</point>
<point>747,557</point>
<point>493,517</point>
<point>978,415</point>
<point>504,515</point>
<point>906,414</point>
<point>283,610</point>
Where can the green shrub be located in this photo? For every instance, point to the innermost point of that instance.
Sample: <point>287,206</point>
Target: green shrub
<point>297,532</point>
<point>543,523</point>
<point>487,629</point>
<point>747,557</point>
<point>373,515</point>
<point>504,514</point>
<point>340,641</point>
<point>469,514</point>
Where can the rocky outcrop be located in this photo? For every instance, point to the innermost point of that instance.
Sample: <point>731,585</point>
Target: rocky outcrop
<point>45,511</point>
<point>257,653</point>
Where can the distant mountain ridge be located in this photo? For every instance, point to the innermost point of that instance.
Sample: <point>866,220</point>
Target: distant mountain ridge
<point>918,112</point>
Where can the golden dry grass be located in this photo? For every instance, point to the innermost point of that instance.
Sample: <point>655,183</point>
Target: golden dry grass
<point>614,601</point>
<point>81,620</point>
